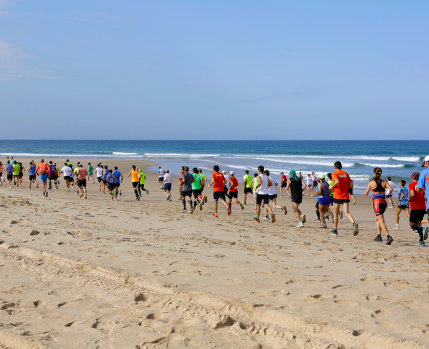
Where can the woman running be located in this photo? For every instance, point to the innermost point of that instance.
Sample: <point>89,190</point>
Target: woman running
<point>379,203</point>
<point>324,200</point>
<point>297,187</point>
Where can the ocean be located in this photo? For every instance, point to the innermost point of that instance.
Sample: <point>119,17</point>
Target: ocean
<point>398,159</point>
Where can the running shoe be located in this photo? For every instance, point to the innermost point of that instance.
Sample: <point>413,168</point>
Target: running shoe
<point>184,210</point>
<point>201,207</point>
<point>10,187</point>
<point>241,205</point>
<point>29,187</point>
<point>253,209</point>
<point>354,202</point>
<point>396,227</point>
<point>378,238</point>
<point>273,218</point>
<point>266,218</point>
<point>68,190</point>
<point>323,226</point>
<point>237,202</point>
<point>355,229</point>
<point>300,225</point>
<point>192,211</point>
<point>425,233</point>
<point>215,215</point>
<point>112,198</point>
<point>137,198</point>
<point>288,197</point>
<point>281,196</point>
<point>229,211</point>
<point>46,194</point>
<point>244,204</point>
<point>318,221</point>
<point>43,193</point>
<point>81,195</point>
<point>120,192</point>
<point>334,232</point>
<point>147,192</point>
<point>341,214</point>
<point>421,243</point>
<point>285,210</point>
<point>390,206</point>
<point>256,220</point>
<point>303,218</point>
<point>389,240</point>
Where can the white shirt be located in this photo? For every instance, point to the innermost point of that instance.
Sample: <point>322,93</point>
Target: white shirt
<point>272,189</point>
<point>67,171</point>
<point>167,178</point>
<point>393,185</point>
<point>161,172</point>
<point>309,180</point>
<point>99,171</point>
<point>263,188</point>
<point>227,180</point>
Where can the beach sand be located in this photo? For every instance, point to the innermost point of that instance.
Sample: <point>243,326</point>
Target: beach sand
<point>93,273</point>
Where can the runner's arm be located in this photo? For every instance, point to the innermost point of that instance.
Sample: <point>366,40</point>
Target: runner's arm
<point>389,187</point>
<point>288,184</point>
<point>368,188</point>
<point>305,186</point>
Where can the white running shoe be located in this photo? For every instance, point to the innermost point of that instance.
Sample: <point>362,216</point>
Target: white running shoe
<point>396,227</point>
<point>341,214</point>
<point>300,225</point>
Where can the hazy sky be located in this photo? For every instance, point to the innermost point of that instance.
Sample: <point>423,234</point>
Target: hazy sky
<point>214,69</point>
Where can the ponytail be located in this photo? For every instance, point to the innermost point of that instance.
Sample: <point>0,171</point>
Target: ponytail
<point>377,173</point>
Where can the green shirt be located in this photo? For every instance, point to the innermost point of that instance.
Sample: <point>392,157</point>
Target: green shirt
<point>248,179</point>
<point>90,168</point>
<point>255,183</point>
<point>142,176</point>
<point>16,169</point>
<point>197,184</point>
<point>76,170</point>
<point>331,183</point>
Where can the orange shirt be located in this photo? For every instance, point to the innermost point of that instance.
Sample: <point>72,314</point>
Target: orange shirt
<point>218,181</point>
<point>134,176</point>
<point>82,173</point>
<point>341,190</point>
<point>43,168</point>
<point>234,183</point>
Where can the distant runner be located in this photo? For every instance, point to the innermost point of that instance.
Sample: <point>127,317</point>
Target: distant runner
<point>161,177</point>
<point>218,182</point>
<point>247,186</point>
<point>418,207</point>
<point>43,171</point>
<point>168,180</point>
<point>402,202</point>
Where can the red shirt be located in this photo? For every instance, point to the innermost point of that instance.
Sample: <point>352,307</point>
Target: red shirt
<point>418,203</point>
<point>234,183</point>
<point>341,190</point>
<point>218,179</point>
<point>180,177</point>
<point>284,180</point>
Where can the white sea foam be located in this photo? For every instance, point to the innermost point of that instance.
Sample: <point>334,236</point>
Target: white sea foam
<point>119,153</point>
<point>384,165</point>
<point>408,159</point>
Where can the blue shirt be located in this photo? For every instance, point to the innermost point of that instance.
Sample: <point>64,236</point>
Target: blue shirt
<point>423,183</point>
<point>404,200</point>
<point>117,175</point>
<point>32,170</point>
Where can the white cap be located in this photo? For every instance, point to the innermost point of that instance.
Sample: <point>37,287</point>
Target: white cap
<point>424,160</point>
<point>231,173</point>
<point>223,171</point>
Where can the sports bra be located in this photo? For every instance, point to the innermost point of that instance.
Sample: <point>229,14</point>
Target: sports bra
<point>379,188</point>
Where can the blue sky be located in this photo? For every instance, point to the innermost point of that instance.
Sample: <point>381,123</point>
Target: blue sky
<point>214,69</point>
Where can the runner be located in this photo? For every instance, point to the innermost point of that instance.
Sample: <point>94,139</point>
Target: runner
<point>418,206</point>
<point>379,187</point>
<point>71,179</point>
<point>218,182</point>
<point>204,179</point>
<point>233,191</point>
<point>43,171</point>
<point>283,183</point>
<point>351,194</point>
<point>226,186</point>
<point>52,169</point>
<point>91,172</point>
<point>57,174</point>
<point>309,182</point>
<point>247,186</point>
<point>82,175</point>
<point>9,173</point>
<point>254,185</point>
<point>263,184</point>
<point>134,174</point>
<point>111,184</point>
<point>32,176</point>
<point>272,195</point>
<point>187,180</point>
<point>180,181</point>
<point>104,177</point>
<point>296,189</point>
<point>76,178</point>
<point>161,177</point>
<point>340,188</point>
<point>402,202</point>
<point>1,174</point>
<point>324,200</point>
<point>21,173</point>
<point>142,179</point>
<point>168,179</point>
<point>314,183</point>
<point>16,169</point>
<point>196,189</point>
<point>67,172</point>
<point>119,178</point>
<point>389,196</point>
<point>99,172</point>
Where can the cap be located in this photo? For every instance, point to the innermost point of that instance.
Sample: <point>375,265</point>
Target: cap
<point>281,172</point>
<point>167,171</point>
<point>415,175</point>
<point>424,160</point>
<point>231,172</point>
<point>322,176</point>
<point>182,168</point>
<point>223,171</point>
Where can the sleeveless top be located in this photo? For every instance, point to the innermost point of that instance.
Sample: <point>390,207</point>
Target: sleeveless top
<point>379,188</point>
<point>296,187</point>
<point>325,190</point>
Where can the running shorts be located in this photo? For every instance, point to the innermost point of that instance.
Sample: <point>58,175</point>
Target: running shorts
<point>118,184</point>
<point>196,193</point>
<point>324,201</point>
<point>271,197</point>
<point>417,215</point>
<point>135,184</point>
<point>141,186</point>
<point>81,182</point>
<point>20,174</point>
<point>105,181</point>
<point>402,207</point>
<point>66,178</point>
<point>167,186</point>
<point>91,175</point>
<point>99,179</point>
<point>43,178</point>
<point>351,191</point>
<point>111,186</point>
<point>160,179</point>
<point>218,195</point>
<point>9,177</point>
<point>341,201</point>
<point>262,198</point>
<point>52,178</point>
<point>32,177</point>
<point>297,199</point>
<point>379,205</point>
<point>255,194</point>
<point>247,190</point>
<point>283,185</point>
<point>186,193</point>
<point>233,194</point>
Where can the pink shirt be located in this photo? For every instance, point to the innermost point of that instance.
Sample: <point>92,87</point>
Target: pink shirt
<point>82,172</point>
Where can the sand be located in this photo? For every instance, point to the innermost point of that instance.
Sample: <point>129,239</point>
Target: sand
<point>93,273</point>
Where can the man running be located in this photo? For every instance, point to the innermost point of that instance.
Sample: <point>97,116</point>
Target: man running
<point>218,182</point>
<point>296,184</point>
<point>418,208</point>
<point>340,188</point>
<point>142,181</point>
<point>134,174</point>
<point>247,186</point>
<point>196,188</point>
<point>52,177</point>
<point>233,191</point>
<point>187,180</point>
<point>9,173</point>
<point>104,178</point>
<point>180,181</point>
<point>82,174</point>
<point>309,182</point>
<point>283,183</point>
<point>272,195</point>
<point>111,184</point>
<point>43,171</point>
<point>168,179</point>
<point>99,173</point>
<point>119,178</point>
<point>91,172</point>
<point>204,180</point>
<point>16,169</point>
<point>402,203</point>
<point>263,184</point>
<point>389,196</point>
<point>67,172</point>
<point>161,177</point>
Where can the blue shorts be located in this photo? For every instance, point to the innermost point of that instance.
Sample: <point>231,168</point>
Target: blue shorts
<point>167,186</point>
<point>325,201</point>
<point>274,196</point>
<point>43,178</point>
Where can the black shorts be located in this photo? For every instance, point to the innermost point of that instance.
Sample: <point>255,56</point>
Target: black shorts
<point>402,207</point>
<point>186,193</point>
<point>262,197</point>
<point>388,196</point>
<point>283,185</point>
<point>32,177</point>
<point>297,199</point>
<point>417,215</point>
<point>105,181</point>
<point>271,197</point>
<point>341,201</point>
<point>351,191</point>
<point>218,195</point>
<point>160,179</point>
<point>135,184</point>
<point>247,190</point>
<point>66,178</point>
<point>233,194</point>
<point>52,178</point>
<point>99,179</point>
<point>9,177</point>
<point>20,174</point>
<point>332,200</point>
<point>379,205</point>
<point>141,186</point>
<point>117,184</point>
<point>196,193</point>
<point>81,182</point>
<point>111,186</point>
